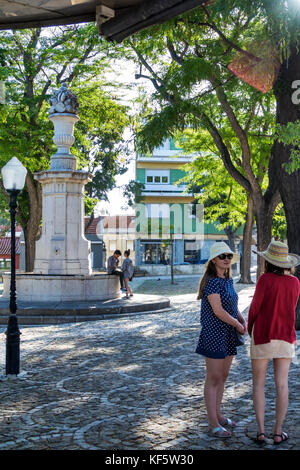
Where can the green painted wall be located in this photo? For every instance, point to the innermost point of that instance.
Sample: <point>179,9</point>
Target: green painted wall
<point>176,175</point>
<point>173,146</point>
<point>141,175</point>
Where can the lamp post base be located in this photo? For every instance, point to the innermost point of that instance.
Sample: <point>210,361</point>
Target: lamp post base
<point>12,346</point>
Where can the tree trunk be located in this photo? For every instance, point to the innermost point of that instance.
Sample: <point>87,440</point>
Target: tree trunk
<point>289,184</point>
<point>264,218</point>
<point>247,241</point>
<point>32,228</point>
<point>231,237</point>
<point>30,239</point>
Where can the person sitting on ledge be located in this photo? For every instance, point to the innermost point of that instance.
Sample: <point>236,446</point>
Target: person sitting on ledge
<point>112,267</point>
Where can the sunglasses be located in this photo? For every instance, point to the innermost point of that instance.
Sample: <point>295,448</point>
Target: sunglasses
<point>224,256</point>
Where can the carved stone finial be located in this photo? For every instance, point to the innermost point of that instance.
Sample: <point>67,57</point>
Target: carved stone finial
<point>64,101</point>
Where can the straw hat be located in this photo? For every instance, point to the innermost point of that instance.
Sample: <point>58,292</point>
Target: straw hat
<point>277,254</point>
<point>220,248</point>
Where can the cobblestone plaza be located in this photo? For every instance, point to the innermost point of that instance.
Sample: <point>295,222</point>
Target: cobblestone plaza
<point>132,382</point>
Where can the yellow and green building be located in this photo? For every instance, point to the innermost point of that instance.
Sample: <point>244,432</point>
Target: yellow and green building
<point>168,214</point>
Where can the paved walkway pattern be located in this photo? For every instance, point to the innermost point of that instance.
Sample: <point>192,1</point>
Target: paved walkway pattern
<point>130,383</point>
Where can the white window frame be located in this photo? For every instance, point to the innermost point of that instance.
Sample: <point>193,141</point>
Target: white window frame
<point>158,173</point>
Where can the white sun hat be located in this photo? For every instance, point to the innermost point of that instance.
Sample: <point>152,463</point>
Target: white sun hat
<point>277,254</point>
<point>220,248</point>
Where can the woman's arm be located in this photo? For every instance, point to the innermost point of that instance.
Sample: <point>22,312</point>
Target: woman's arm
<point>256,303</point>
<point>242,320</point>
<point>216,305</point>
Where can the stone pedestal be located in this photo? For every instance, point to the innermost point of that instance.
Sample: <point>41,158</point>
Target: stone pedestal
<point>62,248</point>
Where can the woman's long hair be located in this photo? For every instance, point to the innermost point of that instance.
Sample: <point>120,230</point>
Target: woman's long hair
<point>271,268</point>
<point>210,272</point>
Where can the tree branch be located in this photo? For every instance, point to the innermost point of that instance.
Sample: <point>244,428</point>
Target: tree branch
<point>173,53</point>
<point>240,133</point>
<point>82,60</point>
<point>225,155</point>
<point>214,27</point>
<point>155,84</point>
<point>250,118</point>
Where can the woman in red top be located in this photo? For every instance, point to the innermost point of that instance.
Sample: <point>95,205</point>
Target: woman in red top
<point>271,325</point>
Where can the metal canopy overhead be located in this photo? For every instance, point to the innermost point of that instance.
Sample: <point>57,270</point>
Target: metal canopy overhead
<point>116,19</point>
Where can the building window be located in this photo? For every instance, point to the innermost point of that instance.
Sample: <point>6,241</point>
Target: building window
<point>5,263</point>
<point>156,252</point>
<point>157,176</point>
<point>192,251</point>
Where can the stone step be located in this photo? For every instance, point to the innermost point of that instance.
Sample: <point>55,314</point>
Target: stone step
<point>69,312</point>
<point>54,320</point>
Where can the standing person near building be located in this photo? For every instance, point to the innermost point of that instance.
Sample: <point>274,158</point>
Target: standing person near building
<point>271,325</point>
<point>217,342</point>
<point>112,267</point>
<point>128,270</point>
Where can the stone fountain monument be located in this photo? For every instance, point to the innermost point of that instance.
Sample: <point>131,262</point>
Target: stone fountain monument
<point>62,268</point>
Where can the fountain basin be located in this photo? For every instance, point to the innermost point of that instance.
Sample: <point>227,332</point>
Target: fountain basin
<point>33,287</point>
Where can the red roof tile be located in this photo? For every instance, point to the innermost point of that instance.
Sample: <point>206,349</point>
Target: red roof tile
<point>114,222</point>
<point>92,229</point>
<point>5,246</point>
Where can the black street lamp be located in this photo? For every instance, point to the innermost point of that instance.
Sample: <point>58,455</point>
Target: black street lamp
<point>14,174</point>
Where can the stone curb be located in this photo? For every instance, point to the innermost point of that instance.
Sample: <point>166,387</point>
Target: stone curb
<point>40,314</point>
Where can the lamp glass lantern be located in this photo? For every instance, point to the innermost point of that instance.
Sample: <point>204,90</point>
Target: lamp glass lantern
<point>14,175</point>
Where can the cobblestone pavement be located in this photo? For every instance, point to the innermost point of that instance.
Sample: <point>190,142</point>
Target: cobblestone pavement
<point>130,383</point>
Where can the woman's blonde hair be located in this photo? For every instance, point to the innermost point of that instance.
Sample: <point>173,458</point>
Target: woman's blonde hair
<point>210,272</point>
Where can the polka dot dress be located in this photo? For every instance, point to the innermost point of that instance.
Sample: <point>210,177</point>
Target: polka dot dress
<point>216,337</point>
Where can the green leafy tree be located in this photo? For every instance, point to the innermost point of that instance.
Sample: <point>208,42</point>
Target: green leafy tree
<point>281,25</point>
<point>186,60</point>
<point>225,201</point>
<point>279,230</point>
<point>33,64</point>
<point>100,146</point>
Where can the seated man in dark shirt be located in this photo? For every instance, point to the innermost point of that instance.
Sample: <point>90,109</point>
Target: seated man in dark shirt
<point>112,267</point>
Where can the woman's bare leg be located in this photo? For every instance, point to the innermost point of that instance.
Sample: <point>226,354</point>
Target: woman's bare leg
<point>259,370</point>
<point>213,384</point>
<point>128,290</point>
<point>220,390</point>
<point>281,372</point>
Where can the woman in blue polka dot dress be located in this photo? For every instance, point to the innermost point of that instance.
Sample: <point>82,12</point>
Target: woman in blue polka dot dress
<point>219,317</point>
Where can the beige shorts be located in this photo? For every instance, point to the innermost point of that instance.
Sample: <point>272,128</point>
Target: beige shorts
<point>275,349</point>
